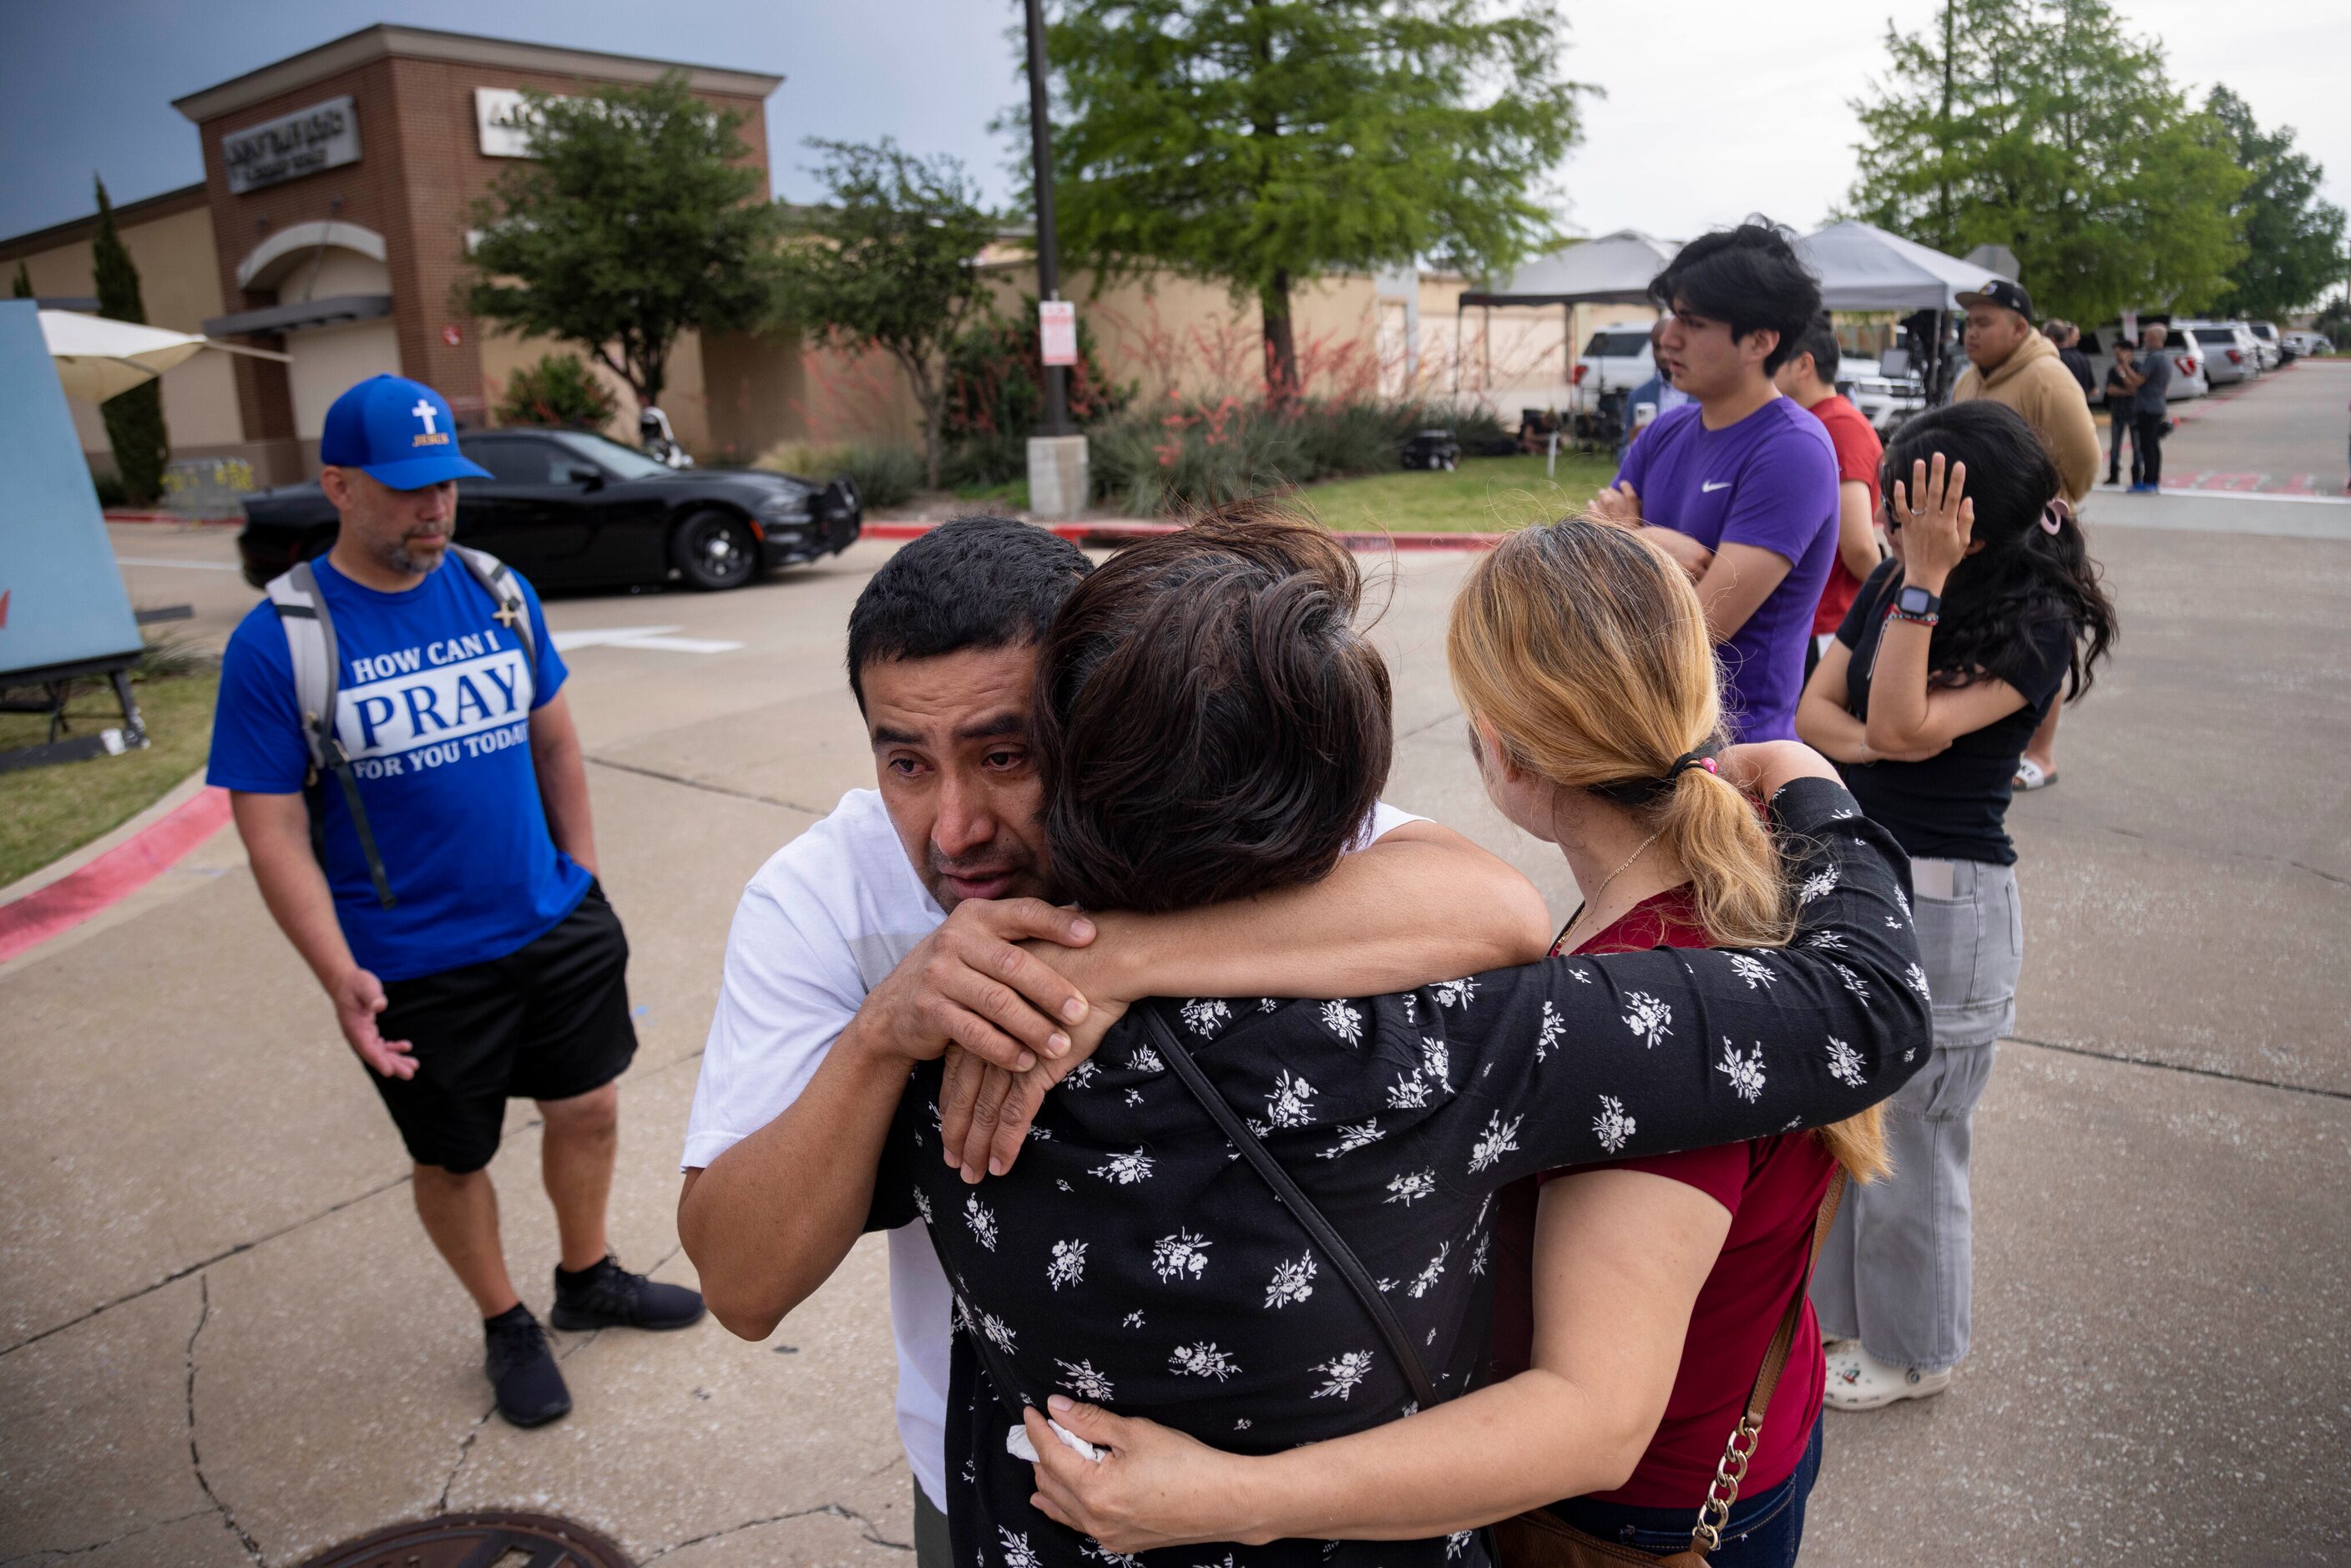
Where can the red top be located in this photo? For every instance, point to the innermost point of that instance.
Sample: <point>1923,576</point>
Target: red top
<point>1773,1189</point>
<point>1857,453</point>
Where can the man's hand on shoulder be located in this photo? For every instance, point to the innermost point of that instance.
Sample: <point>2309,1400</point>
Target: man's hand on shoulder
<point>970,984</point>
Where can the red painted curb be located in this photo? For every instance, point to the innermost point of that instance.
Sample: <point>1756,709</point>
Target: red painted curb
<point>1110,536</point>
<point>112,876</point>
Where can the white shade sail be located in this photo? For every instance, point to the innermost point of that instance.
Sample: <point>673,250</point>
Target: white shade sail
<point>1862,268</point>
<point>98,358</point>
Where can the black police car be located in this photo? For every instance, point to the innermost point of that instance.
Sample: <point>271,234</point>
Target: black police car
<point>569,509</point>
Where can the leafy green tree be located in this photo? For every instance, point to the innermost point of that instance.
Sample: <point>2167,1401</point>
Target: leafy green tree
<point>2294,241</point>
<point>22,288</point>
<point>2043,126</point>
<point>640,215</point>
<point>558,391</point>
<point>1262,143</point>
<point>2334,321</point>
<point>890,261</point>
<point>134,419</point>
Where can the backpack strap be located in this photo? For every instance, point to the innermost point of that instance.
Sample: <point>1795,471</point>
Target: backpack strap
<point>310,645</point>
<point>513,612</point>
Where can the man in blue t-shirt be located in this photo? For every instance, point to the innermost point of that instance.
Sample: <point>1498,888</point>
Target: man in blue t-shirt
<point>1741,485</point>
<point>485,963</point>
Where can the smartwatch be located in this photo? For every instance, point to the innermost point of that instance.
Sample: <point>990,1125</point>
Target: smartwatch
<point>1915,604</point>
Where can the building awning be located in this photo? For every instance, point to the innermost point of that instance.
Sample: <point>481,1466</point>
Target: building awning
<point>300,316</point>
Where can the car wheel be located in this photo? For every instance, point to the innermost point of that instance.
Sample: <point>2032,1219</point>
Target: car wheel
<point>713,550</point>
<point>1451,464</point>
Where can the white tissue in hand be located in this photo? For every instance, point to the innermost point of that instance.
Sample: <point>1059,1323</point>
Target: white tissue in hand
<point>1016,1443</point>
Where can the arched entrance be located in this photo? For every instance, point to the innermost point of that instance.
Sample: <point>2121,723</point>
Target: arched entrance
<point>332,302</point>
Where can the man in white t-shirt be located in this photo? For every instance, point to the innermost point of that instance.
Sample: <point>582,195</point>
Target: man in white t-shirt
<point>888,930</point>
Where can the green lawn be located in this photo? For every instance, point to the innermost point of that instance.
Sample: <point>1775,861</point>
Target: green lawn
<point>1485,495</point>
<point>46,812</point>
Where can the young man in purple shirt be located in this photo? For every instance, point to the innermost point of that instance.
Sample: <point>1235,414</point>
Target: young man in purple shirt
<point>1741,485</point>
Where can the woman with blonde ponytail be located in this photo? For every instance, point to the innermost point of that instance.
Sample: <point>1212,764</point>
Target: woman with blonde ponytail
<point>1581,655</point>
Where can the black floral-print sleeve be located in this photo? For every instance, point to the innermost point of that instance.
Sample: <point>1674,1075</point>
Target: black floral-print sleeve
<point>1576,1060</point>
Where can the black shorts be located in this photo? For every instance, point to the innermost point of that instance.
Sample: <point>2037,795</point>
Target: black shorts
<point>548,1022</point>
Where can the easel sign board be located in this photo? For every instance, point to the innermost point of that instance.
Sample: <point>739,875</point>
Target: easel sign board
<point>62,602</point>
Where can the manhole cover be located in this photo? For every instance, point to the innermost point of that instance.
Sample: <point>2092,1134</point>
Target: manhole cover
<point>477,1541</point>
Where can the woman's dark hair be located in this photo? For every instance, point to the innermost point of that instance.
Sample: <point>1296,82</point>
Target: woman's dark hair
<point>971,582</point>
<point>1209,722</point>
<point>2024,576</point>
<point>1749,277</point>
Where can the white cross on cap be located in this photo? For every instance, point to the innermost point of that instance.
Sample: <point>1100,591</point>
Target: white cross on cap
<point>425,412</point>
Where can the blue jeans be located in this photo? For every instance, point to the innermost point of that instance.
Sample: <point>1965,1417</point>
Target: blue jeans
<point>1764,1529</point>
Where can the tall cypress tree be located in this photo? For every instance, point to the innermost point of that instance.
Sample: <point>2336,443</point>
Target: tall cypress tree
<point>23,287</point>
<point>134,420</point>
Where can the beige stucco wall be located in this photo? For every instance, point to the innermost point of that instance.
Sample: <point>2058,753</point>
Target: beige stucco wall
<point>180,286</point>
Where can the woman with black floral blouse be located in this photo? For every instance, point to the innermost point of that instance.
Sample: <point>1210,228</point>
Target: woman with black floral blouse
<point>1213,725</point>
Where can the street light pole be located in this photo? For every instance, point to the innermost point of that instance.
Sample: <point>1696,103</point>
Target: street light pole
<point>1049,267</point>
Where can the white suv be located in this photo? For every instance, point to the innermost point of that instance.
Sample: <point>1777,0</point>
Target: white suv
<point>2231,352</point>
<point>2187,375</point>
<point>1615,360</point>
<point>1885,396</point>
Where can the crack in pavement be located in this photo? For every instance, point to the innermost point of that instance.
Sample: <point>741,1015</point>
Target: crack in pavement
<point>200,1264</point>
<point>2162,1066</point>
<point>2118,830</point>
<point>697,784</point>
<point>196,1457</point>
<point>54,1553</point>
<point>465,1448</point>
<point>835,1510</point>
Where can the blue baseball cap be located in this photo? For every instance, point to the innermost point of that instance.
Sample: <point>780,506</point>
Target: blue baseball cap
<point>397,432</point>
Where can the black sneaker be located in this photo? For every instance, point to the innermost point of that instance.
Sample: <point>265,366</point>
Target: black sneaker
<point>522,1369</point>
<point>609,1297</point>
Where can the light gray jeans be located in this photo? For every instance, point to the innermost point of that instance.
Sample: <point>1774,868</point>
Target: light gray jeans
<point>1899,1268</point>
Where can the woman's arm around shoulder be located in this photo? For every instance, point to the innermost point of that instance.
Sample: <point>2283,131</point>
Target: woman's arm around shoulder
<point>1585,1058</point>
<point>1621,1256</point>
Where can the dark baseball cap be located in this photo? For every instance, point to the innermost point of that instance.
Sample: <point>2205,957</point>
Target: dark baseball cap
<point>397,432</point>
<point>2000,291</point>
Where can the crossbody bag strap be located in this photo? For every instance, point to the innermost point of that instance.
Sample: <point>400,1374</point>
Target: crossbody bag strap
<point>1325,1237</point>
<point>1731,1469</point>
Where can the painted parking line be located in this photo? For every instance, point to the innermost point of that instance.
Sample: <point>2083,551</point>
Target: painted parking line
<point>182,565</point>
<point>657,638</point>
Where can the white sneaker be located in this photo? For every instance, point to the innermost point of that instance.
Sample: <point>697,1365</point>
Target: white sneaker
<point>1859,1381</point>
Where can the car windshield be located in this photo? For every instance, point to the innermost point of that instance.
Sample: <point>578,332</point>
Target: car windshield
<point>1619,345</point>
<point>2215,335</point>
<point>625,461</point>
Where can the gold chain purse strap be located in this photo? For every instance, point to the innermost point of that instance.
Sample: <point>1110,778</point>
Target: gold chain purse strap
<point>1729,1470</point>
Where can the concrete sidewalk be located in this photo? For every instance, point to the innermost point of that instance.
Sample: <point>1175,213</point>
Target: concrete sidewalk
<point>224,1340</point>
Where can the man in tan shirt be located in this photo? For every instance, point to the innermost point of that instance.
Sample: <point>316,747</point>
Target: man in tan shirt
<point>2010,362</point>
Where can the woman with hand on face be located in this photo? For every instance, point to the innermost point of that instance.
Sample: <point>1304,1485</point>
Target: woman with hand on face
<point>1659,1282</point>
<point>1953,651</point>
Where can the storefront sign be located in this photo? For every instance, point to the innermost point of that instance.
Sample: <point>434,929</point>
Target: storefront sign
<point>1057,331</point>
<point>323,136</point>
<point>505,122</point>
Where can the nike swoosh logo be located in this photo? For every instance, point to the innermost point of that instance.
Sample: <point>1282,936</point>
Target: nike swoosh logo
<point>1717,485</point>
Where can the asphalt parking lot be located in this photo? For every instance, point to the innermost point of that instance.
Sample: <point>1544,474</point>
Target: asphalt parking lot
<point>224,1340</point>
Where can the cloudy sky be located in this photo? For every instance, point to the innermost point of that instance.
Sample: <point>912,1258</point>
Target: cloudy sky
<point>1714,107</point>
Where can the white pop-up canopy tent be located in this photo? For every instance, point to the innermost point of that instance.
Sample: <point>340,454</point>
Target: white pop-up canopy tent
<point>98,358</point>
<point>1614,269</point>
<point>1862,268</point>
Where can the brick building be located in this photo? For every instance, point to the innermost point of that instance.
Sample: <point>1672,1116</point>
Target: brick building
<point>330,227</point>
